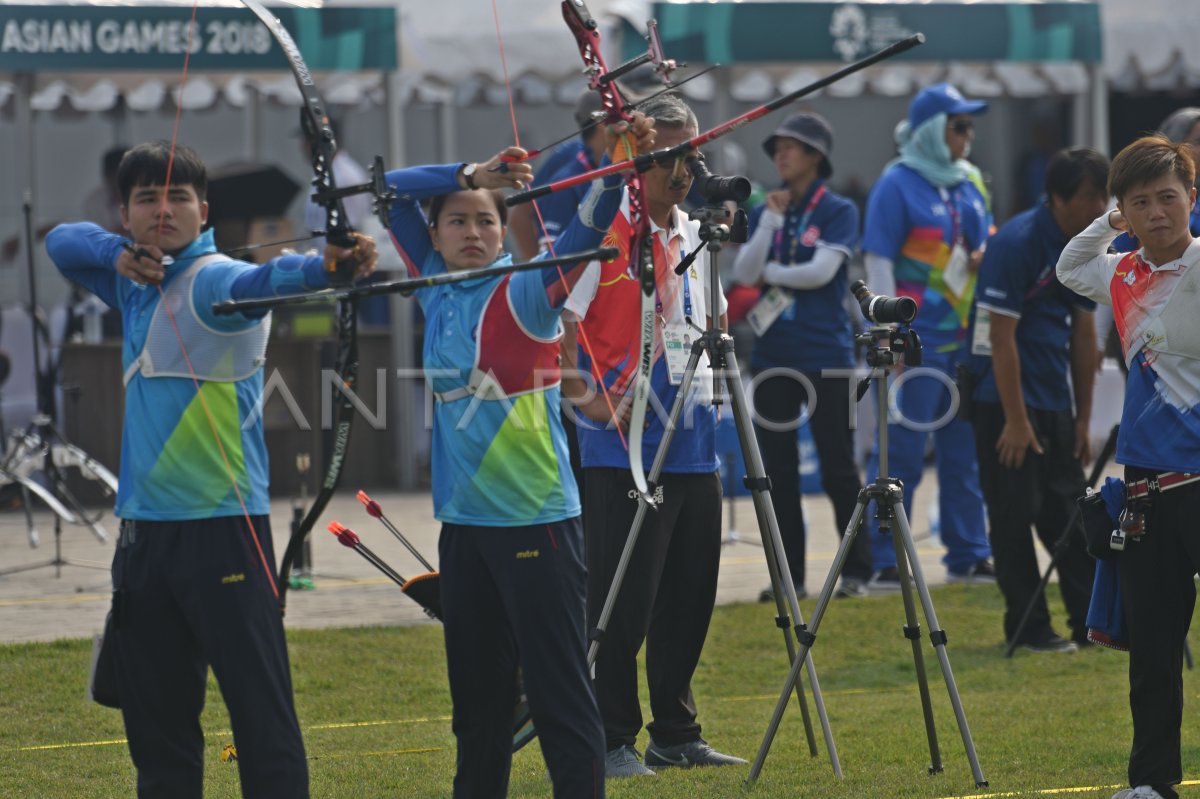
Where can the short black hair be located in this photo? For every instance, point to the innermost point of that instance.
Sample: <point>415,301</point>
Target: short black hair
<point>112,159</point>
<point>1070,167</point>
<point>147,164</point>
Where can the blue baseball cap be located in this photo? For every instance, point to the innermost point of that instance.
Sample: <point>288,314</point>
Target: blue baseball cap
<point>941,98</point>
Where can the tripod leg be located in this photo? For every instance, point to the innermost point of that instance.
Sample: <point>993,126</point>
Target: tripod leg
<point>30,525</point>
<point>782,622</point>
<point>768,526</point>
<point>936,634</point>
<point>912,631</point>
<point>1060,546</point>
<point>808,635</point>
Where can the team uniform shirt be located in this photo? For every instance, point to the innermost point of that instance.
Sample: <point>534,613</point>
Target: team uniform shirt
<point>917,226</point>
<point>608,301</point>
<point>558,209</point>
<point>171,465</point>
<point>1160,424</point>
<point>814,332</point>
<point>496,462</point>
<point>1017,279</point>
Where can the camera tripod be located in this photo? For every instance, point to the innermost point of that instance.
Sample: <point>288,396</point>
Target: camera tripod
<point>40,450</point>
<point>728,383</point>
<point>883,345</point>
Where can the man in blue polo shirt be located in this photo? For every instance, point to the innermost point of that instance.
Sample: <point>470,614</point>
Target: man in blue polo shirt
<point>581,154</point>
<point>801,239</point>
<point>1031,428</point>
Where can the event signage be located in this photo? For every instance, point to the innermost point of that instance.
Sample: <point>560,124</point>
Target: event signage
<point>784,32</point>
<point>48,38</point>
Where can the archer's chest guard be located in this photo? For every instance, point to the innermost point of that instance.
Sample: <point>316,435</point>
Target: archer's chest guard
<point>216,355</point>
<point>509,360</point>
<point>1144,319</point>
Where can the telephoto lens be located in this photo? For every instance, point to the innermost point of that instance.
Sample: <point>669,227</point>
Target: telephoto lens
<point>715,188</point>
<point>883,310</point>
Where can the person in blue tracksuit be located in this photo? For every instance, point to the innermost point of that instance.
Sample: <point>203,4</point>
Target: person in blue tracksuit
<point>192,575</point>
<point>511,550</point>
<point>926,224</point>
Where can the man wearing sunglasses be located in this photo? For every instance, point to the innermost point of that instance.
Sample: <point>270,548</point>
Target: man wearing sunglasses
<point>926,223</point>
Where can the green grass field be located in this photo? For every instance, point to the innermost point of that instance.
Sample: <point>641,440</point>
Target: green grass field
<point>375,710</point>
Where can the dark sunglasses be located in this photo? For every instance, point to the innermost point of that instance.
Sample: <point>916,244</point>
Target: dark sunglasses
<point>962,126</point>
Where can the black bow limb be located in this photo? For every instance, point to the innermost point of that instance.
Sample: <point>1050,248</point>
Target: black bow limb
<point>408,285</point>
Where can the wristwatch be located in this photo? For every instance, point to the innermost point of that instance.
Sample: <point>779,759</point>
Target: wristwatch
<point>468,174</point>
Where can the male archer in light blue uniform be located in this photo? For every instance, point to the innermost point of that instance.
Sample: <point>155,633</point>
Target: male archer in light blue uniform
<point>193,573</point>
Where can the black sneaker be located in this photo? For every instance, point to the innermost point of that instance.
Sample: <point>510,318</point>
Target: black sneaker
<point>1049,642</point>
<point>686,755</point>
<point>981,572</point>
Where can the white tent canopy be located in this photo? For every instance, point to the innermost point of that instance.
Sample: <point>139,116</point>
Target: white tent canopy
<point>1151,44</point>
<point>449,53</point>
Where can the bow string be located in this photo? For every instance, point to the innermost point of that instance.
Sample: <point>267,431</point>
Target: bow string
<point>339,232</point>
<point>602,80</point>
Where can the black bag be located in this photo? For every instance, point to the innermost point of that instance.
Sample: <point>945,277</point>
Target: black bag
<point>964,381</point>
<point>1099,528</point>
<point>102,686</point>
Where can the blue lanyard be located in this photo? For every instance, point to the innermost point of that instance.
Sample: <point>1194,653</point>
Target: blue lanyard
<point>687,286</point>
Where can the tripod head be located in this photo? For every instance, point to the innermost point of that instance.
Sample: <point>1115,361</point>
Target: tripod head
<point>884,342</point>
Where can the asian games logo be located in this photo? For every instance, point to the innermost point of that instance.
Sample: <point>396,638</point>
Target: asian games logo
<point>856,31</point>
<point>811,235</point>
<point>848,27</point>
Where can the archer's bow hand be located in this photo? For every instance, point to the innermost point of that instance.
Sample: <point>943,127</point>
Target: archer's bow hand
<point>363,253</point>
<point>624,140</point>
<point>141,263</point>
<point>516,174</point>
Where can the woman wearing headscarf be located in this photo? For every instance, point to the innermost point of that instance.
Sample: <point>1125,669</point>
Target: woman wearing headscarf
<point>923,236</point>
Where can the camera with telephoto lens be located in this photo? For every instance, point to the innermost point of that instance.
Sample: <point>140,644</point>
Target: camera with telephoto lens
<point>883,310</point>
<point>715,188</point>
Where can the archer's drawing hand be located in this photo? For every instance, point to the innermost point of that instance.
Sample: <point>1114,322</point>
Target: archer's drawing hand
<point>141,263</point>
<point>515,174</point>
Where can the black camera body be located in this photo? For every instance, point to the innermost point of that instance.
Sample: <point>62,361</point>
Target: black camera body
<point>715,188</point>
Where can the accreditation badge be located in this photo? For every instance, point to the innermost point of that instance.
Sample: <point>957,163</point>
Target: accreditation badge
<point>772,305</point>
<point>677,347</point>
<point>957,273</point>
<point>981,339</point>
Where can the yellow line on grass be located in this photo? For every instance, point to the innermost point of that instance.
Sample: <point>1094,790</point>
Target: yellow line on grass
<point>417,751</point>
<point>842,692</point>
<point>334,725</point>
<point>1051,791</point>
